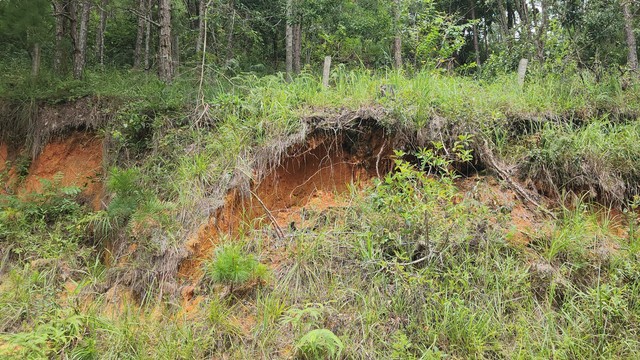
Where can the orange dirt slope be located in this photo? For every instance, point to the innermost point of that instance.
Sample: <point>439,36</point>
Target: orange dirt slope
<point>77,157</point>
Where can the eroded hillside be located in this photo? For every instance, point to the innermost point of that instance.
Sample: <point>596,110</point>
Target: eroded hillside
<point>245,233</point>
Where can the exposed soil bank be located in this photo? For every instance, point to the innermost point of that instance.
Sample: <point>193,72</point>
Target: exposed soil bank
<point>77,157</point>
<point>4,157</point>
<point>308,178</point>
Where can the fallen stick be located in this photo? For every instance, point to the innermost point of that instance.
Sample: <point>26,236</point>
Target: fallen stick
<point>489,159</point>
<point>279,231</point>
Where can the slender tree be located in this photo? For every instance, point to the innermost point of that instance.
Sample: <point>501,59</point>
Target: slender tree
<point>142,21</point>
<point>165,61</point>
<point>632,55</point>
<point>230,31</point>
<point>289,40</point>
<point>59,12</point>
<point>80,43</point>
<point>297,47</point>
<point>102,24</point>
<point>203,7</point>
<point>397,39</point>
<point>147,36</point>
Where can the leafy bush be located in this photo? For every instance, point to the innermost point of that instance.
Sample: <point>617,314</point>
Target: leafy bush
<point>412,208</point>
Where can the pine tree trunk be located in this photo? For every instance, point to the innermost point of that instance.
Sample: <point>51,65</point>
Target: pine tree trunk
<point>232,25</point>
<point>35,60</point>
<point>289,40</point>
<point>176,53</point>
<point>165,49</point>
<point>297,48</point>
<point>202,13</point>
<point>632,56</point>
<point>397,40</point>
<point>100,32</point>
<point>142,13</point>
<point>72,19</point>
<point>80,54</point>
<point>58,11</point>
<point>147,36</point>
<point>275,48</point>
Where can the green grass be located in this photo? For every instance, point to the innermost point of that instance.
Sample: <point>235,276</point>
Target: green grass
<point>599,158</point>
<point>412,268</point>
<point>478,295</point>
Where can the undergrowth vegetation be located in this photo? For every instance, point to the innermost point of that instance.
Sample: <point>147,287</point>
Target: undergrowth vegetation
<point>413,269</point>
<point>416,265</point>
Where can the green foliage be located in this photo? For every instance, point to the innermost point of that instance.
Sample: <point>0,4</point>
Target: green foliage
<point>304,319</point>
<point>421,204</point>
<point>65,333</point>
<point>234,268</point>
<point>319,344</point>
<point>24,21</point>
<point>53,212</point>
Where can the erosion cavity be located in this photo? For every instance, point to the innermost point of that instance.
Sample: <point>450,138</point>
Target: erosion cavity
<point>308,177</point>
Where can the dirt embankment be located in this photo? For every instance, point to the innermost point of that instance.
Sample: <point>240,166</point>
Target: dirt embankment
<point>4,157</point>
<point>309,177</point>
<point>76,157</point>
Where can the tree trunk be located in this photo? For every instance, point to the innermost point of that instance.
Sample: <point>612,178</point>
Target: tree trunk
<point>176,53</point>
<point>59,13</point>
<point>202,13</point>
<point>476,45</point>
<point>72,20</point>
<point>275,49</point>
<point>397,40</point>
<point>147,37</point>
<point>289,40</point>
<point>35,60</point>
<point>80,53</point>
<point>632,56</point>
<point>521,8</point>
<point>100,32</point>
<point>142,13</point>
<point>503,21</point>
<point>232,25</point>
<point>297,48</point>
<point>165,53</point>
<point>544,20</point>
<point>510,16</point>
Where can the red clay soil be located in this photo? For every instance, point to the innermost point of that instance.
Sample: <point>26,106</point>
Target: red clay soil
<point>78,157</point>
<point>523,222</point>
<point>309,178</point>
<point>4,157</point>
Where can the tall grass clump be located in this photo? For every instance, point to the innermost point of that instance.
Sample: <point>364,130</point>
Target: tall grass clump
<point>598,159</point>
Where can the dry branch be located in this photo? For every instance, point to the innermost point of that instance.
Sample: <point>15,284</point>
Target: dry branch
<point>489,159</point>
